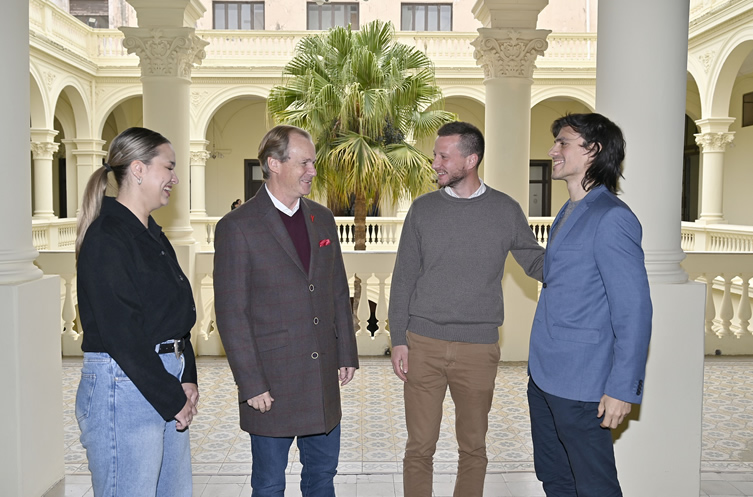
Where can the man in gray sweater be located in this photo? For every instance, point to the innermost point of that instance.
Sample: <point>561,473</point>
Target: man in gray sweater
<point>446,306</point>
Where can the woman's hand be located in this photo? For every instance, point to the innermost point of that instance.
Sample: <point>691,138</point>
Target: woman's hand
<point>185,416</point>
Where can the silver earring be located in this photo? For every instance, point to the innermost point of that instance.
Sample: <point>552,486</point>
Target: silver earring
<point>139,180</point>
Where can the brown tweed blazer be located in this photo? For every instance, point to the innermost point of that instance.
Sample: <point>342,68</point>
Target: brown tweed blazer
<point>283,330</point>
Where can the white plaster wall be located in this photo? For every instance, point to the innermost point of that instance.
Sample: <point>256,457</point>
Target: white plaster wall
<point>569,16</point>
<point>240,126</point>
<point>738,165</point>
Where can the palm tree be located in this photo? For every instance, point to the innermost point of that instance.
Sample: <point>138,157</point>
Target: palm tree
<point>362,95</point>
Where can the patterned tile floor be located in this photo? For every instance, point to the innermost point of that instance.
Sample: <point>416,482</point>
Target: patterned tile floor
<point>374,432</point>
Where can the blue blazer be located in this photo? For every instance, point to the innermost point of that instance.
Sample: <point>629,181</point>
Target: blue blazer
<point>593,321</point>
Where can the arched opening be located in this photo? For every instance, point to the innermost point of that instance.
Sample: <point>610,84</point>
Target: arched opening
<point>234,133</point>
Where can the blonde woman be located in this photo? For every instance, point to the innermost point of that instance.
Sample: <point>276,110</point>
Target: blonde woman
<point>138,390</point>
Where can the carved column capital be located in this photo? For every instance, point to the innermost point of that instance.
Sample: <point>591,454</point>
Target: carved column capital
<point>199,158</point>
<point>714,142</point>
<point>44,150</point>
<point>509,52</point>
<point>165,51</point>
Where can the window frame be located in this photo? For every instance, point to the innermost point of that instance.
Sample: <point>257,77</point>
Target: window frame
<point>413,6</point>
<point>309,5</point>
<point>239,3</point>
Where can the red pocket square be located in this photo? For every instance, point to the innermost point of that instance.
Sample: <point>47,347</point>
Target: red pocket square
<point>324,243</point>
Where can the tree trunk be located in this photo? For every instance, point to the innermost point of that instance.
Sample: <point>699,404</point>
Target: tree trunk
<point>359,219</point>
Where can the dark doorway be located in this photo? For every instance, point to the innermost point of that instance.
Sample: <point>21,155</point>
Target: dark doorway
<point>540,188</point>
<point>690,172</point>
<point>252,177</point>
<point>62,190</point>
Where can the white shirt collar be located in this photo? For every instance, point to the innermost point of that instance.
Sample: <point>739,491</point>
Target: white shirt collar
<point>477,193</point>
<point>282,207</point>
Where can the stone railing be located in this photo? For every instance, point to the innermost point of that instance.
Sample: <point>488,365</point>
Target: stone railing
<point>54,234</point>
<point>382,233</point>
<point>728,299</point>
<point>716,238</point>
<point>275,48</point>
<point>727,276</point>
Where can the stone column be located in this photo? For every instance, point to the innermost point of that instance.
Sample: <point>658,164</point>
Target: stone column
<point>88,155</point>
<point>167,56</point>
<point>31,420</point>
<point>506,48</point>
<point>507,56</point>
<point>199,156</point>
<point>43,148</point>
<point>640,84</point>
<point>713,140</point>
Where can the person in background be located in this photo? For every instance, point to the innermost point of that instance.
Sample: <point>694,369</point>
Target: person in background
<point>238,202</point>
<point>138,390</point>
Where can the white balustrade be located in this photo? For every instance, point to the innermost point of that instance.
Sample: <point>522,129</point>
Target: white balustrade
<point>541,227</point>
<point>54,234</point>
<point>716,238</point>
<point>63,263</point>
<point>728,299</point>
<point>382,233</point>
<point>203,231</point>
<point>275,48</point>
<point>727,277</point>
<point>373,269</point>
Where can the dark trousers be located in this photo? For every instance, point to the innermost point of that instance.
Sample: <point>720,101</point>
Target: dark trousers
<point>319,456</point>
<point>573,455</point>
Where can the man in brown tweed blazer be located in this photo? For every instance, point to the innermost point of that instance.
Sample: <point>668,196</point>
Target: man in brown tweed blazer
<point>284,316</point>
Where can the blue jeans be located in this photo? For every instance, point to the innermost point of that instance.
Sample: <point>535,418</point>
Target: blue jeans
<point>572,454</point>
<point>319,456</point>
<point>132,451</point>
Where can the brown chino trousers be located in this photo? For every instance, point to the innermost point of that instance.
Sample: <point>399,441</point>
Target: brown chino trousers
<point>469,370</point>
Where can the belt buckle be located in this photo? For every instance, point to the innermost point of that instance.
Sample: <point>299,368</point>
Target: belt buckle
<point>177,350</point>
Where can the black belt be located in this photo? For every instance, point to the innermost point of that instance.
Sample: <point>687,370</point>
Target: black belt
<point>175,347</point>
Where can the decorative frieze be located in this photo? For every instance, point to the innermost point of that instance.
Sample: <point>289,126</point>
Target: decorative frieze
<point>165,52</point>
<point>509,53</point>
<point>44,150</point>
<point>714,142</point>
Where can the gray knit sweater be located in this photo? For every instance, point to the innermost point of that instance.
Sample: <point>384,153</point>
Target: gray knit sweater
<point>447,282</point>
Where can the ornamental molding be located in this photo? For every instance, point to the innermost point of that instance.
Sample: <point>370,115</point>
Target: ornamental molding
<point>44,150</point>
<point>706,59</point>
<point>714,142</point>
<point>509,53</point>
<point>49,79</point>
<point>200,157</point>
<point>168,52</point>
<point>198,96</point>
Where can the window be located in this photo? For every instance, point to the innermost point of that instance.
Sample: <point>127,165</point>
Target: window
<point>748,109</point>
<point>427,17</point>
<point>330,15</point>
<point>238,15</point>
<point>93,13</point>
